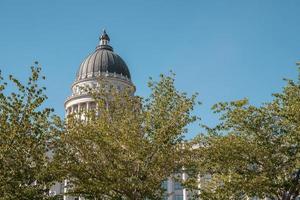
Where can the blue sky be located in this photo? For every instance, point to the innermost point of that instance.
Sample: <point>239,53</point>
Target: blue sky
<point>225,50</point>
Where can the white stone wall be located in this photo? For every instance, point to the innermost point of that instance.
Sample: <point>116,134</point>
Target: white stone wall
<point>80,100</point>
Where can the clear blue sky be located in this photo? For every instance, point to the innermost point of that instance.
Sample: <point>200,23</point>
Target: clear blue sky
<point>225,50</point>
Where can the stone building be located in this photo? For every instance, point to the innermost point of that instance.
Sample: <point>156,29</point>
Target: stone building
<point>104,63</point>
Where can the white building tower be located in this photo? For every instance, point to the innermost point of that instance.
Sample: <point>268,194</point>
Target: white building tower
<point>104,63</point>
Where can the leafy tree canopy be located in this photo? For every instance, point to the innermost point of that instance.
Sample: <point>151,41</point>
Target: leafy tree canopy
<point>128,146</point>
<point>254,150</point>
<point>27,132</point>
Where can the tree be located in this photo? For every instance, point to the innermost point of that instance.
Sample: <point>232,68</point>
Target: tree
<point>128,146</point>
<point>253,151</point>
<point>26,134</point>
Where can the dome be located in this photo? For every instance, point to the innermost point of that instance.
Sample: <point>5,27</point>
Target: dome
<point>103,60</point>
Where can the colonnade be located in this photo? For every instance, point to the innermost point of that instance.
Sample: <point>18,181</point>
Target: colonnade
<point>90,105</point>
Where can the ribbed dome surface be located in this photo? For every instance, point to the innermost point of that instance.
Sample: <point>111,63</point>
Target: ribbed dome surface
<point>101,61</point>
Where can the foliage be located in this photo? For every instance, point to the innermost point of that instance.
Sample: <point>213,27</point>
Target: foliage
<point>26,134</point>
<point>127,146</point>
<point>254,151</point>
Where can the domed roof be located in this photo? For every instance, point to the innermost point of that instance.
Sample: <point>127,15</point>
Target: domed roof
<point>103,60</point>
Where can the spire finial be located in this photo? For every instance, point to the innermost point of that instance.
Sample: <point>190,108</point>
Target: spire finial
<point>104,38</point>
<point>104,41</point>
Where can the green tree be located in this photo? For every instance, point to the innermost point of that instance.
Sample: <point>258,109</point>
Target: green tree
<point>128,146</point>
<point>26,135</point>
<point>254,150</point>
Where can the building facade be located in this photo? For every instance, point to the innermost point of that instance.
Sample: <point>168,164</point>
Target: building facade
<point>108,66</point>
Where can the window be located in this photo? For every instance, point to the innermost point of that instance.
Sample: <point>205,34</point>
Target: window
<point>165,197</point>
<point>92,106</point>
<point>178,186</point>
<point>119,88</point>
<point>75,108</point>
<point>164,185</point>
<point>82,106</point>
<point>179,197</point>
<point>206,178</point>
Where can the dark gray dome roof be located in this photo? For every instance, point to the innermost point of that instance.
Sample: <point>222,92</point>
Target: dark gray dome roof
<point>101,61</point>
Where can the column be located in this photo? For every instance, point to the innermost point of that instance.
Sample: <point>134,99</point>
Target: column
<point>78,107</point>
<point>184,191</point>
<point>199,183</point>
<point>87,106</point>
<point>65,189</point>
